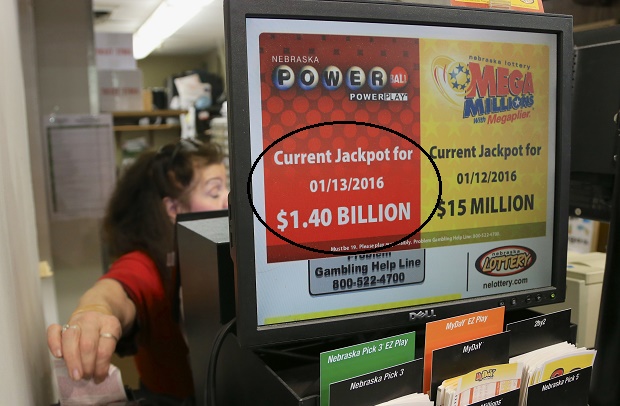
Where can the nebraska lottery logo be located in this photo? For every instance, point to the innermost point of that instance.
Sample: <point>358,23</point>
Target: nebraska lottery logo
<point>374,84</point>
<point>489,90</point>
<point>504,261</point>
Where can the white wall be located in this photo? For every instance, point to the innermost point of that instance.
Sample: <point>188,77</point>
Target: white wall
<point>65,83</point>
<point>25,375</point>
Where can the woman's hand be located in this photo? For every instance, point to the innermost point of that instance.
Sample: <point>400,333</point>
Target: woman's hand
<point>86,343</point>
<point>89,338</point>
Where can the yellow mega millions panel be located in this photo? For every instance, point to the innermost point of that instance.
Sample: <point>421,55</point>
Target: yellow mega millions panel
<point>485,122</point>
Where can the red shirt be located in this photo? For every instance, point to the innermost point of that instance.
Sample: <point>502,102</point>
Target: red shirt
<point>162,357</point>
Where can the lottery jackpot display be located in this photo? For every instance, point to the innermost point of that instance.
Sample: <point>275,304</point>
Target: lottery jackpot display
<point>398,166</point>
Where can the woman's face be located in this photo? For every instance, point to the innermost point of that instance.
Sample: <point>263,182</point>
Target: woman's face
<point>208,190</point>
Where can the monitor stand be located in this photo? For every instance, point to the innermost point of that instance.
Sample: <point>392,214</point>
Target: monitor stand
<point>246,377</point>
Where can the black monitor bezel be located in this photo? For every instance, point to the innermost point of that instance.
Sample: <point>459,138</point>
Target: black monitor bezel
<point>241,215</point>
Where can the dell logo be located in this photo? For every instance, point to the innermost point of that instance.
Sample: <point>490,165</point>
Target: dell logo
<point>422,314</point>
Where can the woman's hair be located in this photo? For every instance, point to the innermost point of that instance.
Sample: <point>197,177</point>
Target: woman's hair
<point>136,218</point>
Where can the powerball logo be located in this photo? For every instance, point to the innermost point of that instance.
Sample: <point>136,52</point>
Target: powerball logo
<point>376,84</point>
<point>487,93</point>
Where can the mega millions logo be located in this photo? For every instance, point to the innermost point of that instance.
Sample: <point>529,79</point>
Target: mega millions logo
<point>491,93</point>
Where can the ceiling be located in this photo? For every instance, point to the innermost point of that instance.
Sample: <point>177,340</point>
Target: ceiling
<point>202,33</point>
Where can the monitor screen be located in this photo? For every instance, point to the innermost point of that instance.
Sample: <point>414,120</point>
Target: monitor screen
<point>393,163</point>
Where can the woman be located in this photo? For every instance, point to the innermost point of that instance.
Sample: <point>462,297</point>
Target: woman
<point>130,308</point>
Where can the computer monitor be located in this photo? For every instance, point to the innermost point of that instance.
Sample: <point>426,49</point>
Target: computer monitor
<point>596,102</point>
<point>393,163</point>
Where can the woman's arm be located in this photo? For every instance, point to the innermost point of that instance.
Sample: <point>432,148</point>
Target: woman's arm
<point>89,338</point>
